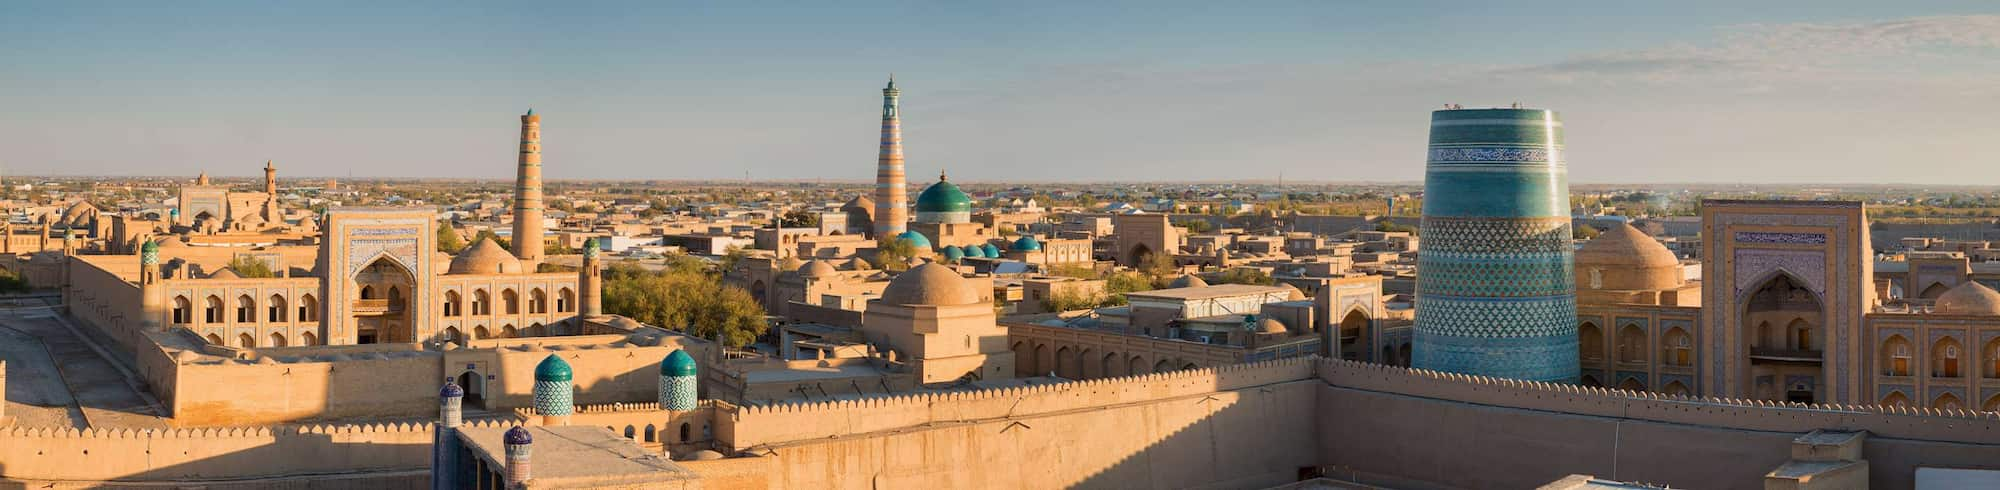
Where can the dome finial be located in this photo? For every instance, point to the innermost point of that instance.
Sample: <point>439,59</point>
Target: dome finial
<point>941,175</point>
<point>531,111</point>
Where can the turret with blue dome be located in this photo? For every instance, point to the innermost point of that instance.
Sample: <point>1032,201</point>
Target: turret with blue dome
<point>677,381</point>
<point>555,399</point>
<point>944,203</point>
<point>916,239</point>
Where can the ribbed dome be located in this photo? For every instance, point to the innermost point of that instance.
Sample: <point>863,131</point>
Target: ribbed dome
<point>678,363</point>
<point>485,257</point>
<point>451,390</point>
<point>952,253</point>
<point>1027,244</point>
<point>915,239</point>
<point>930,284</point>
<point>990,250</point>
<point>518,436</point>
<point>553,368</point>
<point>1971,298</point>
<point>816,270</point>
<point>943,197</point>
<point>974,251</point>
<point>1187,281</point>
<point>79,214</point>
<point>1624,258</point>
<point>1267,325</point>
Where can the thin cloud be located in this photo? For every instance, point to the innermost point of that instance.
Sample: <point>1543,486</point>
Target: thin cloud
<point>1769,50</point>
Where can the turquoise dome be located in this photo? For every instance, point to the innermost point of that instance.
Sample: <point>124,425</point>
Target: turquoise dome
<point>952,253</point>
<point>1027,244</point>
<point>991,251</point>
<point>974,251</point>
<point>678,363</point>
<point>943,197</point>
<point>916,239</point>
<point>553,368</point>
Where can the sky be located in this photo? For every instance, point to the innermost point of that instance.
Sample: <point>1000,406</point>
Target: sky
<point>1828,91</point>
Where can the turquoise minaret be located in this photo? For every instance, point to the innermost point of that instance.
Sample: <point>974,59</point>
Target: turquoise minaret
<point>555,399</point>
<point>1495,294</point>
<point>677,382</point>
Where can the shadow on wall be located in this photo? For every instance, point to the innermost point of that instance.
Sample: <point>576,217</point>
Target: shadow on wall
<point>216,456</point>
<point>1256,437</point>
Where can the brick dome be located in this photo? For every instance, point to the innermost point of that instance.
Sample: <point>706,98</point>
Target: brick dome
<point>485,257</point>
<point>1971,298</point>
<point>931,285</point>
<point>1623,258</point>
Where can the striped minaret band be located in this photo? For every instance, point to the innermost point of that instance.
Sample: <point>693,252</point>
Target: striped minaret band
<point>892,205</point>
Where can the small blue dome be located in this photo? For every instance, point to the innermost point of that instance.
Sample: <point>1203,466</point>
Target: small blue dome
<point>678,363</point>
<point>991,251</point>
<point>553,368</point>
<point>518,436</point>
<point>451,390</point>
<point>916,239</point>
<point>1027,244</point>
<point>974,251</point>
<point>952,253</point>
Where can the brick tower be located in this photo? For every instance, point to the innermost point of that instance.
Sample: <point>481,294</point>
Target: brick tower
<point>528,194</point>
<point>892,201</point>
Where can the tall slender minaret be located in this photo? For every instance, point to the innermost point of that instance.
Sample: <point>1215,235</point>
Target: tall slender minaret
<point>528,194</point>
<point>270,179</point>
<point>892,203</point>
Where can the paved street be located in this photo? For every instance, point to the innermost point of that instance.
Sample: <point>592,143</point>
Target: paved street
<point>55,379</point>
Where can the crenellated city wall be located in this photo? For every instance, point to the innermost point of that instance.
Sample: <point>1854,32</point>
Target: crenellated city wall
<point>229,455</point>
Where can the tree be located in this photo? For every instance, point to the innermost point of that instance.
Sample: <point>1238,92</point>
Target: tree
<point>250,267</point>
<point>1196,226</point>
<point>556,248</point>
<point>799,218</point>
<point>1245,276</point>
<point>1583,232</point>
<point>733,255</point>
<point>1392,226</point>
<point>489,235</point>
<point>691,301</point>
<point>894,255</point>
<point>1157,265</point>
<point>1071,300</point>
<point>448,239</point>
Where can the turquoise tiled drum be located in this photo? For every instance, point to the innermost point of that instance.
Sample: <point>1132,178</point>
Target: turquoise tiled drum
<point>1495,295</point>
<point>553,393</point>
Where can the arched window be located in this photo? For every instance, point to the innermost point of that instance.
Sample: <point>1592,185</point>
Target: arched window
<point>183,310</point>
<point>308,309</point>
<point>1993,359</point>
<point>245,340</point>
<point>278,339</point>
<point>565,301</point>
<point>481,333</point>
<point>308,339</point>
<point>451,334</point>
<point>1896,356</point>
<point>276,309</point>
<point>213,313</point>
<point>1676,388</point>
<point>652,433</point>
<point>1632,384</point>
<point>1896,399</point>
<point>452,304</point>
<point>1590,342</point>
<point>508,331</point>
<point>510,302</point>
<point>246,309</point>
<point>1631,344</point>
<point>1947,401</point>
<point>538,301</point>
<point>1679,347</point>
<point>368,292</point>
<point>687,431</point>
<point>481,303</point>
<point>214,339</point>
<point>1945,358</point>
<point>395,297</point>
<point>1801,336</point>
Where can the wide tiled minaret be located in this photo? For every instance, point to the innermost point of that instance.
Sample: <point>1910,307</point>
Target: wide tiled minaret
<point>1495,294</point>
<point>892,202</point>
<point>528,194</point>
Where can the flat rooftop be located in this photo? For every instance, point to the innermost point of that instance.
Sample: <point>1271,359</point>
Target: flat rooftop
<point>1207,292</point>
<point>578,454</point>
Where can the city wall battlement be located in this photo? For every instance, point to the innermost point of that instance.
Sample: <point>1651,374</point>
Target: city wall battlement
<point>1966,426</point>
<point>778,424</point>
<point>68,454</point>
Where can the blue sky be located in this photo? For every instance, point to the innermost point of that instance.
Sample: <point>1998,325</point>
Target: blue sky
<point>1825,91</point>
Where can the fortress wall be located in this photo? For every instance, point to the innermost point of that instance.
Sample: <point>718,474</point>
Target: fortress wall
<point>102,300</point>
<point>1411,426</point>
<point>1155,431</point>
<point>211,454</point>
<point>241,392</point>
<point>785,423</point>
